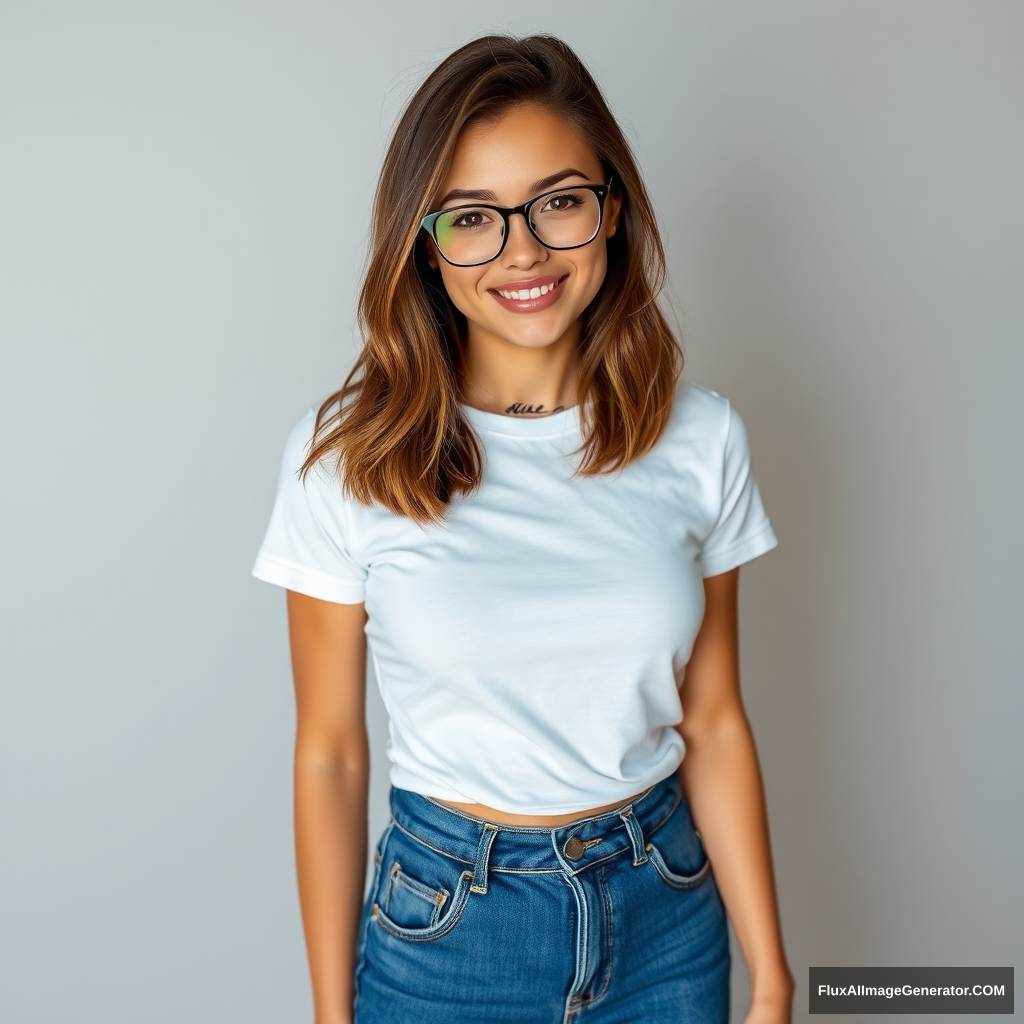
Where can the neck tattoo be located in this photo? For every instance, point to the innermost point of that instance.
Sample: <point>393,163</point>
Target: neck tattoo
<point>522,409</point>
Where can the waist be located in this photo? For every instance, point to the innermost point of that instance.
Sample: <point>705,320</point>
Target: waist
<point>496,816</point>
<point>581,842</point>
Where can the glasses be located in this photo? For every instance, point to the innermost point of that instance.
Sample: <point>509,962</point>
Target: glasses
<point>565,218</point>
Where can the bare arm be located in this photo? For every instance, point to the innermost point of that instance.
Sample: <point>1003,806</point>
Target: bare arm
<point>723,785</point>
<point>332,768</point>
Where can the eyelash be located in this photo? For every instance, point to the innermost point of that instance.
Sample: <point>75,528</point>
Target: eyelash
<point>459,221</point>
<point>566,195</point>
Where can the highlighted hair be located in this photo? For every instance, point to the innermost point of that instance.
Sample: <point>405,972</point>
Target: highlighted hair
<point>395,427</point>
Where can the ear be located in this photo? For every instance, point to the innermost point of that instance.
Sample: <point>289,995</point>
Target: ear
<point>432,259</point>
<point>612,207</point>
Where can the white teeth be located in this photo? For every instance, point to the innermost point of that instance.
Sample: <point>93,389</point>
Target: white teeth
<point>522,294</point>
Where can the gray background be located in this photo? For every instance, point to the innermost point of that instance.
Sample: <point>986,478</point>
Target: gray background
<point>184,195</point>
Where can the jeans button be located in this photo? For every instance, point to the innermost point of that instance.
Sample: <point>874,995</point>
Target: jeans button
<point>574,848</point>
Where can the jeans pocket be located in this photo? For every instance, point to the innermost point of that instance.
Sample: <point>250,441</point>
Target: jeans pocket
<point>410,902</point>
<point>673,878</point>
<point>676,851</point>
<point>422,893</point>
<point>446,918</point>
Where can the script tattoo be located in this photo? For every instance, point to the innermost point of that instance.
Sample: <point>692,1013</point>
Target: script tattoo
<point>522,409</point>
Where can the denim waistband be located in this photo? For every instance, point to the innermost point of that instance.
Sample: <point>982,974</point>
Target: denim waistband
<point>486,845</point>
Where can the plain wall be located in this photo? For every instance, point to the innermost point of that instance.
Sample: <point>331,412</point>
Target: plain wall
<point>184,196</point>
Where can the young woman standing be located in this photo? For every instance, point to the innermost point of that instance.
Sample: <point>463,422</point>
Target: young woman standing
<point>538,527</point>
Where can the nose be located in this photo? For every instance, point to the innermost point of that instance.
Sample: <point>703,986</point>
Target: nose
<point>522,249</point>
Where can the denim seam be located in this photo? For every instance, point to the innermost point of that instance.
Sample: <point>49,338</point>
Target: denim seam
<point>508,870</point>
<point>609,913</point>
<point>373,895</point>
<point>483,856</point>
<point>410,934</point>
<point>672,810</point>
<point>681,883</point>
<point>430,846</point>
<point>528,871</point>
<point>636,836</point>
<point>435,897</point>
<point>572,1001</point>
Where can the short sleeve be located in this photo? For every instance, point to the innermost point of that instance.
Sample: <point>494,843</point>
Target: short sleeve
<point>742,530</point>
<point>307,544</point>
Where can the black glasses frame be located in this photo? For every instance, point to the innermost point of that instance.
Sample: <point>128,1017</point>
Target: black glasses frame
<point>429,222</point>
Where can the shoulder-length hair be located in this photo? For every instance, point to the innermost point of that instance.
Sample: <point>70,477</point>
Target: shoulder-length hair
<point>395,427</point>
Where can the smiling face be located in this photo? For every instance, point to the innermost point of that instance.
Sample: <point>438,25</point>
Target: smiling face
<point>529,297</point>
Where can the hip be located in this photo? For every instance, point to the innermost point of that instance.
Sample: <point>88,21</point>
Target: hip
<point>612,916</point>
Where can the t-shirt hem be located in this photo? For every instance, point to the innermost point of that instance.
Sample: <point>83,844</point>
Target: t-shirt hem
<point>746,550</point>
<point>294,577</point>
<point>442,794</point>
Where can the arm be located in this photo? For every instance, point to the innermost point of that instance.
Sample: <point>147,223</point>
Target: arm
<point>332,768</point>
<point>722,782</point>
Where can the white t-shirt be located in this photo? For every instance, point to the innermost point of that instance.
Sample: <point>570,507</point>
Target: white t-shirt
<point>529,649</point>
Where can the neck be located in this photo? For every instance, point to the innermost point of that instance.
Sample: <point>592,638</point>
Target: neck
<point>501,377</point>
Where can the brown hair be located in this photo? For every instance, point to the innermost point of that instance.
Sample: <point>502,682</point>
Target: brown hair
<point>395,426</point>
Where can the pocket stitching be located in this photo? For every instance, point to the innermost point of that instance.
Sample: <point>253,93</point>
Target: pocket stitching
<point>670,878</point>
<point>437,898</point>
<point>434,931</point>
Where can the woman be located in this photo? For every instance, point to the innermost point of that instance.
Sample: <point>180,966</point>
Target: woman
<point>539,530</point>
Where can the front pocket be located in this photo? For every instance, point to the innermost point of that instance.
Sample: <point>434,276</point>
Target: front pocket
<point>670,877</point>
<point>411,903</point>
<point>441,920</point>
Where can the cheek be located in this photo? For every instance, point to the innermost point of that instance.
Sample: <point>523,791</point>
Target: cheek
<point>461,289</point>
<point>594,271</point>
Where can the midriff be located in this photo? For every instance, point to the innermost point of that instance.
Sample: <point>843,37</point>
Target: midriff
<point>530,820</point>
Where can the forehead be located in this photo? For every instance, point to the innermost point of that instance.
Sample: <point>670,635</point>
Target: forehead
<point>527,143</point>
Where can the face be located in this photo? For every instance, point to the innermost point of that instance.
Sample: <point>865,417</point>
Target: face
<point>528,151</point>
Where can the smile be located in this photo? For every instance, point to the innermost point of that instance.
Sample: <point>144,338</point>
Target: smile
<point>530,295</point>
<point>526,293</point>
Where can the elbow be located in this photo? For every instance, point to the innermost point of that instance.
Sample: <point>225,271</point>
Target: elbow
<point>348,758</point>
<point>703,730</point>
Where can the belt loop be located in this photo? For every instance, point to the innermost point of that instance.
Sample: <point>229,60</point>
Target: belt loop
<point>636,836</point>
<point>483,854</point>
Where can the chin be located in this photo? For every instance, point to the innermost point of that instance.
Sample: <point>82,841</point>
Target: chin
<point>533,340</point>
<point>535,335</point>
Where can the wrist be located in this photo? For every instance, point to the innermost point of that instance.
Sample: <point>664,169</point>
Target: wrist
<point>332,1017</point>
<point>772,984</point>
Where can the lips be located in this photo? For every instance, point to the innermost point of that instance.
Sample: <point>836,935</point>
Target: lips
<point>529,296</point>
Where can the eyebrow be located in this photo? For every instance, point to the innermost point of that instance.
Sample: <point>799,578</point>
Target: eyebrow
<point>487,196</point>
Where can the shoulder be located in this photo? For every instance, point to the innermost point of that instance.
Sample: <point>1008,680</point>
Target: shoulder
<point>308,546</point>
<point>296,449</point>
<point>704,429</point>
<point>299,437</point>
<point>699,415</point>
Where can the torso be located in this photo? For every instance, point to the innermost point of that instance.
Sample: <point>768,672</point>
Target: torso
<point>529,648</point>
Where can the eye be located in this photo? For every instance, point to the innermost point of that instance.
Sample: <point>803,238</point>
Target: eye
<point>467,219</point>
<point>563,201</point>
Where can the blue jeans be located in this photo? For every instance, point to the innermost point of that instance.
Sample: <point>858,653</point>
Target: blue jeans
<point>609,919</point>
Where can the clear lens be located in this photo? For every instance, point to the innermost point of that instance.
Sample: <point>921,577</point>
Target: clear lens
<point>566,219</point>
<point>562,220</point>
<point>469,234</point>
